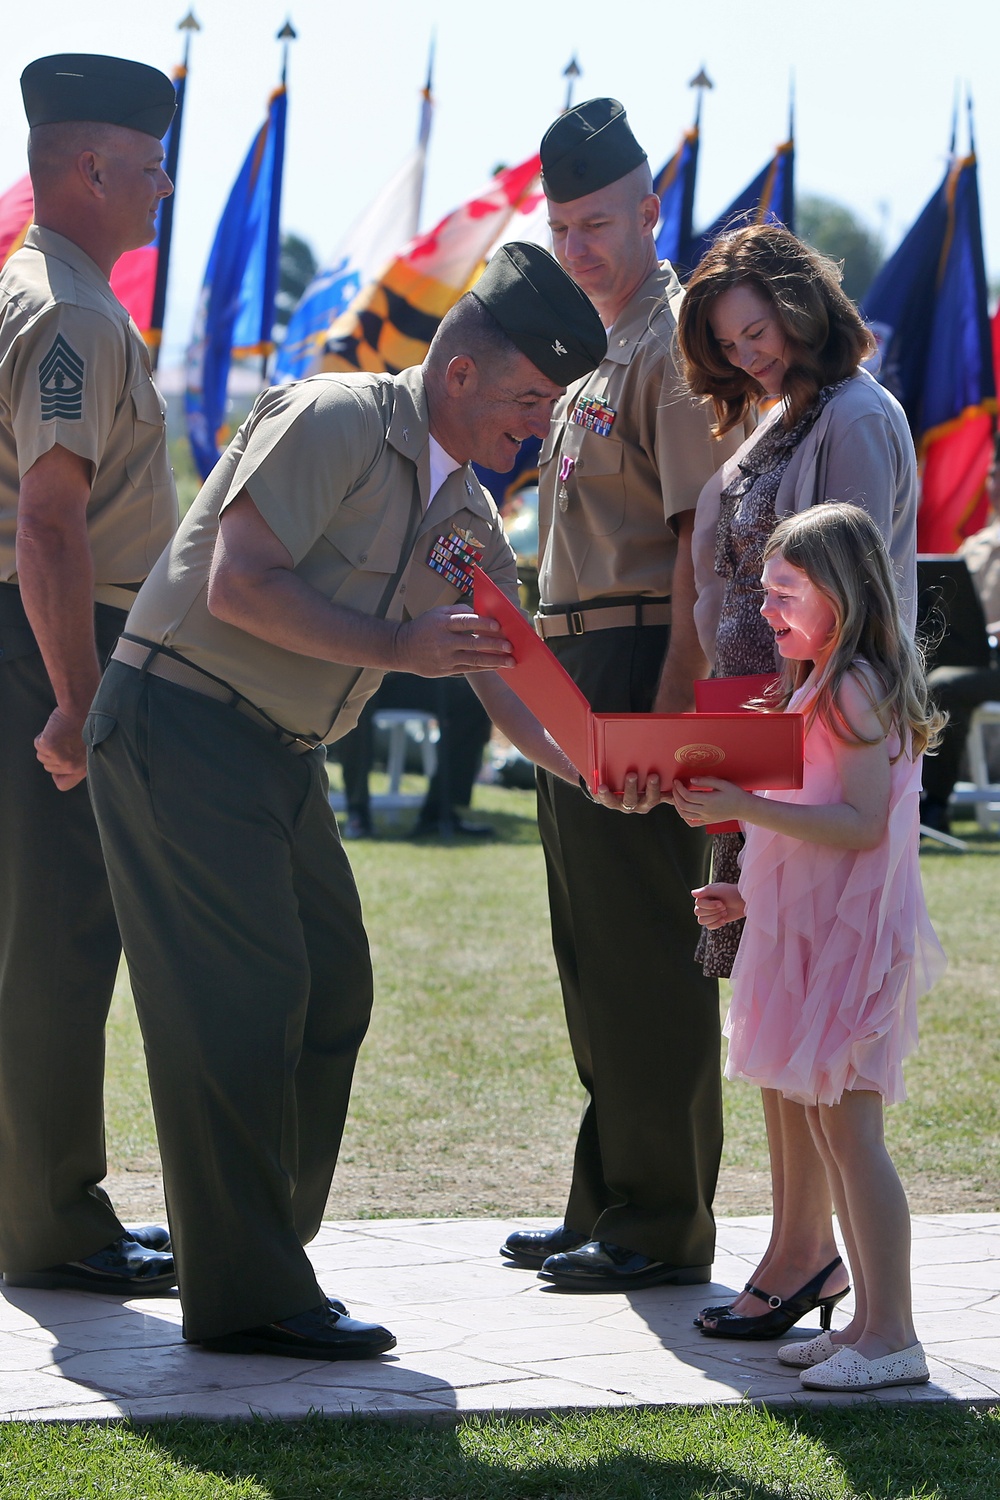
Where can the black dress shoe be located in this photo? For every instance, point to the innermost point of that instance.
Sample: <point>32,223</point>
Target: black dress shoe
<point>357,827</point>
<point>599,1266</point>
<point>531,1247</point>
<point>124,1268</point>
<point>150,1236</point>
<point>318,1333</point>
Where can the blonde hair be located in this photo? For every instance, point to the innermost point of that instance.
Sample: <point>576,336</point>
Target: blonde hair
<point>824,333</point>
<point>840,550</point>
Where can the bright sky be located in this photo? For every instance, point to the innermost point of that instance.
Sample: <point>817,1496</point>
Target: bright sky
<point>874,81</point>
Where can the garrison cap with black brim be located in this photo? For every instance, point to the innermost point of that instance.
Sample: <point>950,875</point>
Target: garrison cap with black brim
<point>108,90</point>
<point>543,312</point>
<point>587,148</point>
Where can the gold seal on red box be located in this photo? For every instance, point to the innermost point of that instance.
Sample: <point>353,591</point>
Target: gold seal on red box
<point>702,757</point>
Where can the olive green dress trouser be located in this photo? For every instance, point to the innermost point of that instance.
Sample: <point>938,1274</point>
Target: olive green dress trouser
<point>59,951</point>
<point>252,980</point>
<point>643,1019</point>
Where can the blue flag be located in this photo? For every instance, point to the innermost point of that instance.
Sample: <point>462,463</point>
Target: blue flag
<point>235,315</point>
<point>675,187</point>
<point>928,311</point>
<point>768,199</point>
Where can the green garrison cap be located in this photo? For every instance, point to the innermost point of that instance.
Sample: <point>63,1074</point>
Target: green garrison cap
<point>111,90</point>
<point>543,312</point>
<point>587,148</point>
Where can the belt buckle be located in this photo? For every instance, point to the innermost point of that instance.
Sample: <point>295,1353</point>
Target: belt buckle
<point>575,620</point>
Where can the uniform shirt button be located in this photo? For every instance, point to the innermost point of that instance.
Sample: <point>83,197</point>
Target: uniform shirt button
<point>363,558</point>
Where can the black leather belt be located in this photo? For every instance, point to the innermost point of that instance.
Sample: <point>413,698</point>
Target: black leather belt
<point>172,668</point>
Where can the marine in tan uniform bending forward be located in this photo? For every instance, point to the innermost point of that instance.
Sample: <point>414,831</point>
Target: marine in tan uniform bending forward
<point>331,543</point>
<point>620,471</point>
<point>87,504</point>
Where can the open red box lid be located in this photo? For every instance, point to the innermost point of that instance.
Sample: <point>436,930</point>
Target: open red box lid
<point>756,751</point>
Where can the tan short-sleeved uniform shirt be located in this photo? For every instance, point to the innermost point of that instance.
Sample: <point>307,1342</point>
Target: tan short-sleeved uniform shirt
<point>74,371</point>
<point>339,468</point>
<point>609,490</point>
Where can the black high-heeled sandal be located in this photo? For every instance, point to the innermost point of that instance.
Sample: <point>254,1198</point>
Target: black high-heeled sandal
<point>782,1312</point>
<point>718,1309</point>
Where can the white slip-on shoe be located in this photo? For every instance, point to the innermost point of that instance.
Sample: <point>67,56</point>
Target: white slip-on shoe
<point>847,1370</point>
<point>813,1352</point>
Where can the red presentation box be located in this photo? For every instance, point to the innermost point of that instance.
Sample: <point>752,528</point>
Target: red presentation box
<point>730,695</point>
<point>757,751</point>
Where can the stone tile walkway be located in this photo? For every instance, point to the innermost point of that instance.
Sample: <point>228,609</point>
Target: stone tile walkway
<point>478,1335</point>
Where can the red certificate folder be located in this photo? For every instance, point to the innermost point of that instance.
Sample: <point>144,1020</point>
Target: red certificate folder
<point>729,695</point>
<point>756,751</point>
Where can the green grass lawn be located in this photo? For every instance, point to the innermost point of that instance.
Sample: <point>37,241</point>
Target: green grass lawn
<point>466,1103</point>
<point>871,1453</point>
<point>466,1100</point>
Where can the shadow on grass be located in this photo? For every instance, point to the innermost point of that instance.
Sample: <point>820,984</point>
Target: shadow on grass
<point>742,1453</point>
<point>513,827</point>
<point>978,841</point>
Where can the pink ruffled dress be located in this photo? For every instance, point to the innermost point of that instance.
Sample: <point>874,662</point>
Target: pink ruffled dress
<point>837,947</point>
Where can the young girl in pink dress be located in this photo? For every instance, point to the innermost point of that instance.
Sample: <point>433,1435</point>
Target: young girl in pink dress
<point>838,944</point>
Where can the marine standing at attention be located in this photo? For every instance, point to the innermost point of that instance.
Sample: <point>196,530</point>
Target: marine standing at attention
<point>87,504</point>
<point>331,543</point>
<point>620,473</point>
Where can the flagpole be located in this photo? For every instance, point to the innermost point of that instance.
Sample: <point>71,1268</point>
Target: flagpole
<point>686,237</point>
<point>189,24</point>
<point>424,127</point>
<point>700,82</point>
<point>571,72</point>
<point>788,204</point>
<point>286,35</point>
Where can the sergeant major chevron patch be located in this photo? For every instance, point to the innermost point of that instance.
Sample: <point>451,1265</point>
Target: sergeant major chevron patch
<point>60,377</point>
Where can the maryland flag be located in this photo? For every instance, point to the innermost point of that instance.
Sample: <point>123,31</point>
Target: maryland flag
<point>390,221</point>
<point>768,199</point>
<point>928,310</point>
<point>391,322</point>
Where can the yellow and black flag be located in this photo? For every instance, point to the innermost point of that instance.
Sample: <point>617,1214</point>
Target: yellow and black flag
<point>392,320</point>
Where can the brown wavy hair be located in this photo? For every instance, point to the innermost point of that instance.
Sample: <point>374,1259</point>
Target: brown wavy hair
<point>826,337</point>
<point>840,550</point>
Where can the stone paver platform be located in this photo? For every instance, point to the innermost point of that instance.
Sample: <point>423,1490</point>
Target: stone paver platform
<point>477,1335</point>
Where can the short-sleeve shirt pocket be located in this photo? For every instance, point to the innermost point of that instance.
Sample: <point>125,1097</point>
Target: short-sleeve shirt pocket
<point>365,540</point>
<point>595,487</point>
<point>148,419</point>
